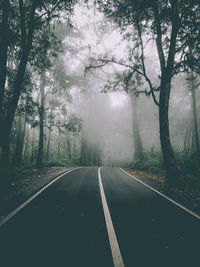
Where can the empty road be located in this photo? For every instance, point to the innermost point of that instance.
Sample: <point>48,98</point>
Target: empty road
<point>94,217</point>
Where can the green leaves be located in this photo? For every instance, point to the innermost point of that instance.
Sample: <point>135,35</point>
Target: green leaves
<point>74,125</point>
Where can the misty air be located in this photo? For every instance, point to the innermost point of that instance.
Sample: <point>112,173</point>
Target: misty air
<point>99,133</point>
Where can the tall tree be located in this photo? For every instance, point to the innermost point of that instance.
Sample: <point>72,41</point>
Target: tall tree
<point>20,134</point>
<point>169,24</point>
<point>20,19</point>
<point>192,82</point>
<point>41,122</point>
<point>127,82</point>
<point>138,149</point>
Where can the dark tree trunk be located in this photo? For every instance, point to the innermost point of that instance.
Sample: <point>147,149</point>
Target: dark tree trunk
<point>33,146</point>
<point>48,145</point>
<point>172,172</point>
<point>41,125</point>
<point>4,139</point>
<point>166,66</point>
<point>187,146</point>
<point>58,147</point>
<point>3,49</point>
<point>138,150</point>
<point>26,149</point>
<point>26,41</point>
<point>194,115</point>
<point>22,142</point>
<point>69,146</point>
<point>17,158</point>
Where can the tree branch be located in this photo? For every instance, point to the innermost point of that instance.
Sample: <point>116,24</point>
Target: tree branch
<point>107,61</point>
<point>143,65</point>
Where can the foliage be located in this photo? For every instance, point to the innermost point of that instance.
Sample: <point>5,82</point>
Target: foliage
<point>147,15</point>
<point>74,125</point>
<point>153,162</point>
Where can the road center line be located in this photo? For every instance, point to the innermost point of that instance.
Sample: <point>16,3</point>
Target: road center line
<point>116,254</point>
<point>164,196</point>
<point>10,215</point>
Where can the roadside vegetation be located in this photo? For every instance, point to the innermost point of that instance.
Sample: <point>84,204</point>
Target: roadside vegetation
<point>96,83</point>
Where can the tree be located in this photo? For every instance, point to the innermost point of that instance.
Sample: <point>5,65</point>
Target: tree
<point>128,83</point>
<point>20,20</point>
<point>41,123</point>
<point>192,84</point>
<point>168,23</point>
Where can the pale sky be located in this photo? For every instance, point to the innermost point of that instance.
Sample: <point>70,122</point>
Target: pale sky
<point>87,20</point>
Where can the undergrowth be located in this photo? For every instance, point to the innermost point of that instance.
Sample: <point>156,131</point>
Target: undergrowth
<point>188,164</point>
<point>13,174</point>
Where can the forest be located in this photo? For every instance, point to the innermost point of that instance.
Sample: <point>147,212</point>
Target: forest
<point>103,82</point>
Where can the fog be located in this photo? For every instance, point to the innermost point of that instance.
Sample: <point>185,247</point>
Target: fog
<point>93,96</point>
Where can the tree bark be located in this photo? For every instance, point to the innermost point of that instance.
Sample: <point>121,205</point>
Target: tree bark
<point>194,115</point>
<point>58,147</point>
<point>26,148</point>
<point>17,158</point>
<point>3,50</point>
<point>138,149</point>
<point>48,144</point>
<point>41,124</point>
<point>172,171</point>
<point>69,146</point>
<point>12,106</point>
<point>33,146</point>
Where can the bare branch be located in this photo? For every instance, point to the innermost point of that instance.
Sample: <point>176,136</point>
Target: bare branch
<point>134,69</point>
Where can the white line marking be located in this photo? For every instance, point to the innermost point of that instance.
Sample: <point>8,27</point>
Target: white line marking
<point>164,196</point>
<point>10,215</point>
<point>116,254</point>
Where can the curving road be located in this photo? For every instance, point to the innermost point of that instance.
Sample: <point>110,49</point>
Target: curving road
<point>65,225</point>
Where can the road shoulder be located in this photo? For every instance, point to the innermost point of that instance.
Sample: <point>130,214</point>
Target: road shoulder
<point>185,196</point>
<point>20,191</point>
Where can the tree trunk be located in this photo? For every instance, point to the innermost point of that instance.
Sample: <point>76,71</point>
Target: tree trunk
<point>138,150</point>
<point>172,172</point>
<point>6,125</point>
<point>48,145</point>
<point>69,146</point>
<point>33,146</point>
<point>26,148</point>
<point>17,158</point>
<point>41,125</point>
<point>58,147</point>
<point>194,115</point>
<point>3,50</point>
<point>186,147</point>
<point>166,68</point>
<point>22,142</point>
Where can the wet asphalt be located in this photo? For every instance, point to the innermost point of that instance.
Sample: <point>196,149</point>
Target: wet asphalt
<point>65,226</point>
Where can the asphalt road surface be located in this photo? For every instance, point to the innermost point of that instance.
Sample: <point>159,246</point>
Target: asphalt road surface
<point>65,225</point>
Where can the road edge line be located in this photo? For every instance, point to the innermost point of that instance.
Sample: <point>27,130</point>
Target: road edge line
<point>116,254</point>
<point>20,207</point>
<point>164,196</point>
